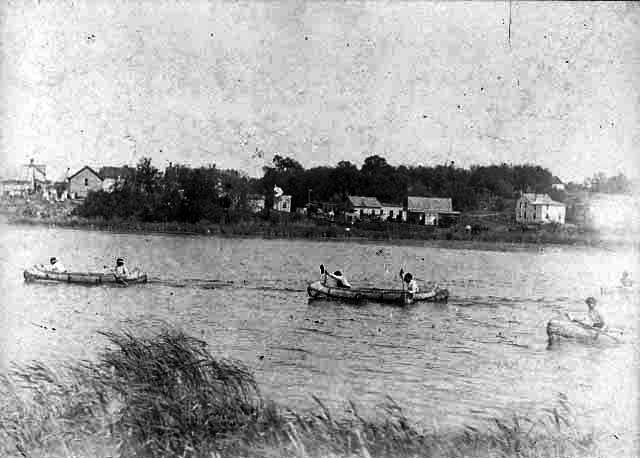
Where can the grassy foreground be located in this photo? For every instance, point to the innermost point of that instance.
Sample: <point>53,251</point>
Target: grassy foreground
<point>165,395</point>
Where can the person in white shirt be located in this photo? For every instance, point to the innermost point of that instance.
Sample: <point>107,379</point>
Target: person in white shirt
<point>595,319</point>
<point>412,285</point>
<point>55,266</point>
<point>121,270</point>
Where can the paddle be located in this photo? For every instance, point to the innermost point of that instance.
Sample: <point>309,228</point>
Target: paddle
<point>404,298</point>
<point>323,273</point>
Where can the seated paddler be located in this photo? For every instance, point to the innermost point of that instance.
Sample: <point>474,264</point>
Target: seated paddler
<point>55,265</point>
<point>412,285</point>
<point>120,269</point>
<point>595,319</point>
<point>626,280</point>
<point>336,279</point>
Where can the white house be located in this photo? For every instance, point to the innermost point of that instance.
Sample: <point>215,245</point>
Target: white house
<point>539,208</point>
<point>359,207</point>
<point>393,211</point>
<point>282,203</point>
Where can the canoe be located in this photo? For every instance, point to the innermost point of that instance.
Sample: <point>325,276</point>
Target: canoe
<point>562,328</point>
<point>318,289</point>
<point>87,278</point>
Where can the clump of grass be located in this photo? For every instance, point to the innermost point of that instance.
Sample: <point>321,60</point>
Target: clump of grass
<point>165,395</point>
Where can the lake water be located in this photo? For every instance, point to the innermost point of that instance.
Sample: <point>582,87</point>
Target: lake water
<point>483,354</point>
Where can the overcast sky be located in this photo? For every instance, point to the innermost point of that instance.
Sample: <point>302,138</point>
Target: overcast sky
<point>106,83</point>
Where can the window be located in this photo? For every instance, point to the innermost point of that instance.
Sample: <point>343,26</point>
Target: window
<point>391,213</point>
<point>86,181</point>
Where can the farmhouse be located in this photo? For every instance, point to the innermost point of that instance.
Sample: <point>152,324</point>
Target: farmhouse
<point>539,208</point>
<point>393,212</point>
<point>282,203</point>
<point>428,210</point>
<point>358,207</point>
<point>83,181</point>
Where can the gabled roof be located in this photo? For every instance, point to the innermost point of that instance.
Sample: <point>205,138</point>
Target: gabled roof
<point>369,202</point>
<point>117,172</point>
<point>429,204</point>
<point>540,199</point>
<point>86,167</point>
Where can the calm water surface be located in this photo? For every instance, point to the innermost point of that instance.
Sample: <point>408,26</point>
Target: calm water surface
<point>483,354</point>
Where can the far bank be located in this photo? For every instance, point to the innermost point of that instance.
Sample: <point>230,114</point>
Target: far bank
<point>494,238</point>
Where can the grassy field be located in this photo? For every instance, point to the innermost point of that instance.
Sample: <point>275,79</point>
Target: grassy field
<point>165,395</point>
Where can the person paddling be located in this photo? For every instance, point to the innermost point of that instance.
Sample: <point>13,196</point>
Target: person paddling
<point>626,280</point>
<point>412,285</point>
<point>595,318</point>
<point>121,270</point>
<point>338,278</point>
<point>55,265</point>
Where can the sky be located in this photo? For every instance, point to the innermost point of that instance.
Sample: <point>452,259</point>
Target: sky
<point>233,83</point>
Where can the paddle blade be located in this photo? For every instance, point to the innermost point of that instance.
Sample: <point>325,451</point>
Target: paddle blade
<point>402,273</point>
<point>322,268</point>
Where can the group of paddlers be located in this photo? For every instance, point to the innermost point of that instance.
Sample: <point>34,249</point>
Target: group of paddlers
<point>56,266</point>
<point>338,280</point>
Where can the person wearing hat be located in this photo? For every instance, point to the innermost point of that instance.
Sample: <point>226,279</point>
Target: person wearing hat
<point>121,270</point>
<point>55,266</point>
<point>626,280</point>
<point>338,278</point>
<point>412,285</point>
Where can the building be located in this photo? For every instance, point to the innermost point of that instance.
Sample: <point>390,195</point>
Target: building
<point>428,210</point>
<point>539,208</point>
<point>112,176</point>
<point>282,203</point>
<point>255,202</point>
<point>393,212</point>
<point>15,188</point>
<point>84,181</point>
<point>557,184</point>
<point>360,207</point>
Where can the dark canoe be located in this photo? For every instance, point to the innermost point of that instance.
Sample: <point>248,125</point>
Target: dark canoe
<point>86,278</point>
<point>561,328</point>
<point>395,296</point>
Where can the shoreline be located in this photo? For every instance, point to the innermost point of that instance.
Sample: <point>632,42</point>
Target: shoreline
<point>404,235</point>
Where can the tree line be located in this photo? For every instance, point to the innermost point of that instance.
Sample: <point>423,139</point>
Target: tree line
<point>183,193</point>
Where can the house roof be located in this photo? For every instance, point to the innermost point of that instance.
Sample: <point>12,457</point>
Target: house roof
<point>86,167</point>
<point>370,202</point>
<point>12,181</point>
<point>540,199</point>
<point>117,172</point>
<point>387,204</point>
<point>422,204</point>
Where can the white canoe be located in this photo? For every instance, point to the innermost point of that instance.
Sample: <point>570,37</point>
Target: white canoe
<point>86,278</point>
<point>561,328</point>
